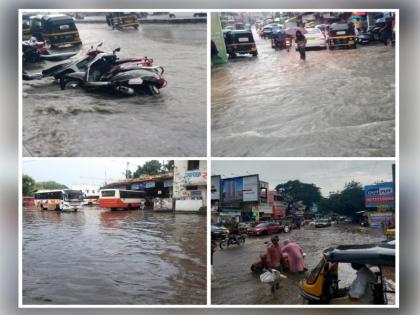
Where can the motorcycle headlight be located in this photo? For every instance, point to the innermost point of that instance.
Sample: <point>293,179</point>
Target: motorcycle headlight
<point>135,81</point>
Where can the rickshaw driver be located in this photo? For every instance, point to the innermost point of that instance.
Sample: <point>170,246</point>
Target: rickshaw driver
<point>360,289</point>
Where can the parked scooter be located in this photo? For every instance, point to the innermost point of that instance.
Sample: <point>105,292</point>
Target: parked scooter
<point>126,77</point>
<point>33,51</point>
<point>232,240</point>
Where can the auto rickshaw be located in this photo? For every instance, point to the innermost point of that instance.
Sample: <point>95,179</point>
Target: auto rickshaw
<point>321,285</point>
<point>59,30</point>
<point>240,42</point>
<point>341,35</point>
<point>121,20</point>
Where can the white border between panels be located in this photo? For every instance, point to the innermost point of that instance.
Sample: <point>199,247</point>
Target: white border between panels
<point>209,159</point>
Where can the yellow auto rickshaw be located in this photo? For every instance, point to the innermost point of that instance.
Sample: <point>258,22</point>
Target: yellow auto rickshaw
<point>59,30</point>
<point>122,20</point>
<point>321,285</point>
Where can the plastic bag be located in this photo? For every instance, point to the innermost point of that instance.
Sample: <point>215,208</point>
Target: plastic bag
<point>271,276</point>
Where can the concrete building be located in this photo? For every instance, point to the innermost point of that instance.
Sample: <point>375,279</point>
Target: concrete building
<point>190,185</point>
<point>87,189</point>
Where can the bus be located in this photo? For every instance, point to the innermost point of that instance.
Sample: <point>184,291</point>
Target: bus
<point>59,199</point>
<point>121,199</point>
<point>90,200</point>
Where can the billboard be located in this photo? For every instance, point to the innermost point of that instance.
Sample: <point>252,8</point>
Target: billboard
<point>240,189</point>
<point>377,219</point>
<point>381,194</point>
<point>215,187</point>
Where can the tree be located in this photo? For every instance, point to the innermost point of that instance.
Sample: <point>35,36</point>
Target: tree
<point>49,185</point>
<point>28,185</point>
<point>295,191</point>
<point>346,202</point>
<point>169,166</point>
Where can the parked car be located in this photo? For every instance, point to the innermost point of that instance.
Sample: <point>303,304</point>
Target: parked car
<point>322,223</point>
<point>218,232</point>
<point>265,228</point>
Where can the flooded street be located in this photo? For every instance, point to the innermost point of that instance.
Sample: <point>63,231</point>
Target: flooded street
<point>337,103</point>
<point>98,256</point>
<point>80,123</point>
<point>234,283</point>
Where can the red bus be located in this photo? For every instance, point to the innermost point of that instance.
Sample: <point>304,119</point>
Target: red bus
<point>121,199</point>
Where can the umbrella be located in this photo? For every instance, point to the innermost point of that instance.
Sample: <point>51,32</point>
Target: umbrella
<point>292,31</point>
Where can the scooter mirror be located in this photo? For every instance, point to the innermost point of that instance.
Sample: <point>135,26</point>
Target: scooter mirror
<point>100,44</point>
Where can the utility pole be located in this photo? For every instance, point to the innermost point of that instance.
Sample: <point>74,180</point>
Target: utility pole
<point>126,172</point>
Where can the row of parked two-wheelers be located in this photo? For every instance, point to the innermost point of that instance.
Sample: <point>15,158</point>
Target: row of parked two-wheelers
<point>97,70</point>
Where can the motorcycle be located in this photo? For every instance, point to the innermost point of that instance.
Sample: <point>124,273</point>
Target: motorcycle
<point>126,76</point>
<point>33,51</point>
<point>232,240</point>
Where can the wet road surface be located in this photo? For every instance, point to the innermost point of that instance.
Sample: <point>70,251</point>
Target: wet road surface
<point>80,123</point>
<point>337,103</point>
<point>98,256</point>
<point>234,283</point>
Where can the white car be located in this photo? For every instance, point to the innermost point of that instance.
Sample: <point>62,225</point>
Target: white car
<point>315,38</point>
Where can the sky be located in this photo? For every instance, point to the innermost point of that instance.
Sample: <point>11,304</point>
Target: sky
<point>80,171</point>
<point>330,176</point>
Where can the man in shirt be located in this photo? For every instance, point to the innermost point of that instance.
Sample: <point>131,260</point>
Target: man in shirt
<point>274,254</point>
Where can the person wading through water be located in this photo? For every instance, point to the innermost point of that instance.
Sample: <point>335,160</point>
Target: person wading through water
<point>301,44</point>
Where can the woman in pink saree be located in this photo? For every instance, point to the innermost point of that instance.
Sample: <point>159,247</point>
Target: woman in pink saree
<point>294,253</point>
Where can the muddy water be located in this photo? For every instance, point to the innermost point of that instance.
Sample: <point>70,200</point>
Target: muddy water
<point>337,103</point>
<point>78,123</point>
<point>234,283</point>
<point>122,257</point>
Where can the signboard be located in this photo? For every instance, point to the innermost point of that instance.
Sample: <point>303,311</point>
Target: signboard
<point>240,189</point>
<point>381,194</point>
<point>195,194</point>
<point>215,188</point>
<point>168,183</point>
<point>138,186</point>
<point>150,185</point>
<point>250,188</point>
<point>376,219</point>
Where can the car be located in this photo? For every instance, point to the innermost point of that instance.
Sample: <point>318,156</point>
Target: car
<point>315,38</point>
<point>322,223</point>
<point>218,232</point>
<point>265,228</point>
<point>200,15</point>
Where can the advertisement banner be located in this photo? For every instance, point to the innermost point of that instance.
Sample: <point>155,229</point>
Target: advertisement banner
<point>232,189</point>
<point>378,219</point>
<point>168,183</point>
<point>251,188</point>
<point>381,194</point>
<point>137,186</point>
<point>215,188</point>
<point>150,184</point>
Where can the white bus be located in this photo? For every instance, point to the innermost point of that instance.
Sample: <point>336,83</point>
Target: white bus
<point>59,199</point>
<point>121,199</point>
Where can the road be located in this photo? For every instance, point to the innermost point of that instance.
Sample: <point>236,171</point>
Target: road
<point>337,103</point>
<point>97,256</point>
<point>234,283</point>
<point>79,123</point>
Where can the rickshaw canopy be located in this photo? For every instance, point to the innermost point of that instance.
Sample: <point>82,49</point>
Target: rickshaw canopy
<point>370,254</point>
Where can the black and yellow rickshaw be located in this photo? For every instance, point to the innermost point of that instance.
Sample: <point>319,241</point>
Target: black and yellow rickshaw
<point>341,35</point>
<point>321,285</point>
<point>121,20</point>
<point>26,27</point>
<point>59,30</point>
<point>240,42</point>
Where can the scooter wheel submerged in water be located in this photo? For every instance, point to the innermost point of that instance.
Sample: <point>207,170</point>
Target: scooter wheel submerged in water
<point>153,89</point>
<point>223,244</point>
<point>70,84</point>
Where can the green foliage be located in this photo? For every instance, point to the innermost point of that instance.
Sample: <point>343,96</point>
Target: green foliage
<point>153,167</point>
<point>49,185</point>
<point>346,202</point>
<point>294,191</point>
<point>28,185</point>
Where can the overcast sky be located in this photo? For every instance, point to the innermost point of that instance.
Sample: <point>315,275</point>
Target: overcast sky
<point>80,171</point>
<point>328,175</point>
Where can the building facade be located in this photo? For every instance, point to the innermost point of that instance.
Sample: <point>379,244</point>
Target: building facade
<point>87,189</point>
<point>190,185</point>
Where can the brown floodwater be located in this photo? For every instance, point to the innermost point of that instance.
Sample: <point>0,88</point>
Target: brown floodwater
<point>96,256</point>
